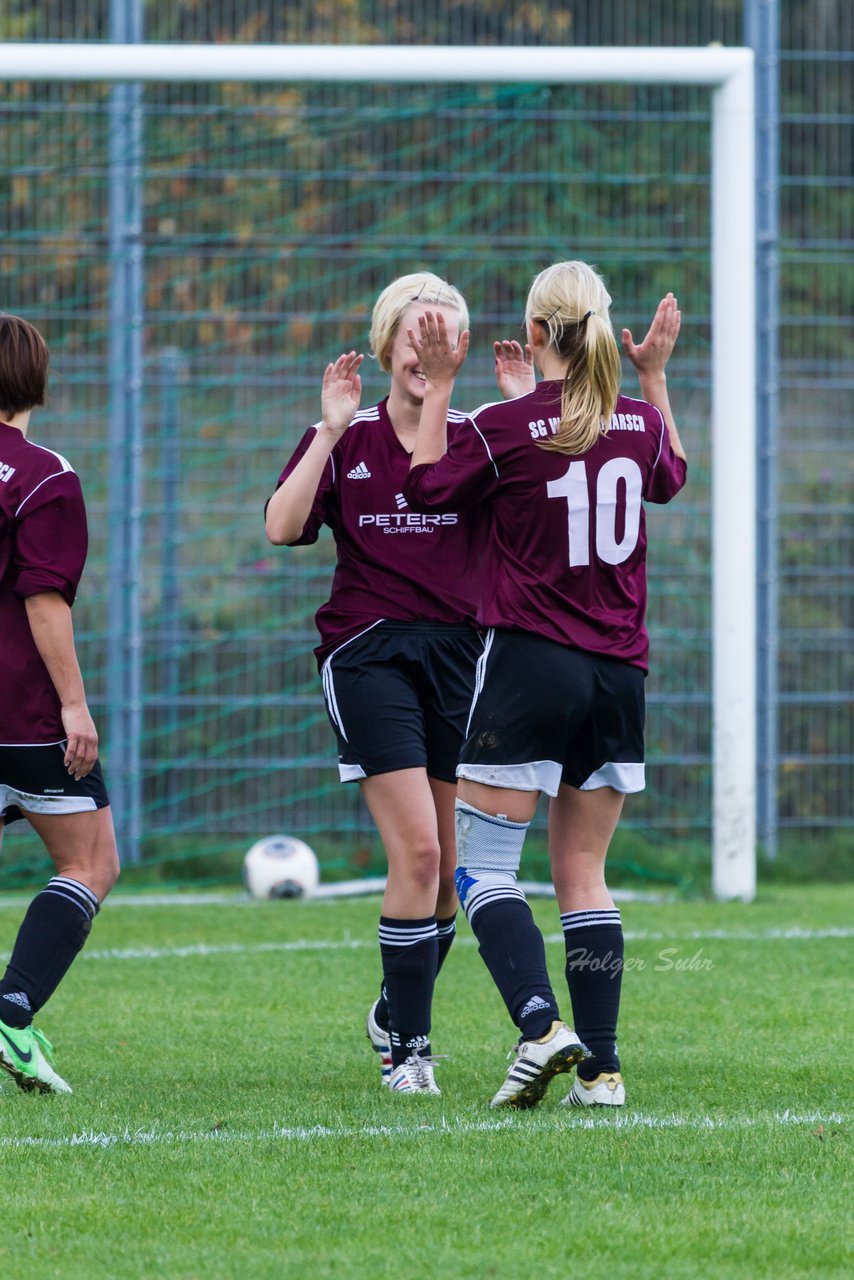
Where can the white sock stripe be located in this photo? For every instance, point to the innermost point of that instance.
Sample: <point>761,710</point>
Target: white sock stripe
<point>590,911</point>
<point>473,904</point>
<point>445,930</point>
<point>391,937</point>
<point>572,920</point>
<point>75,886</point>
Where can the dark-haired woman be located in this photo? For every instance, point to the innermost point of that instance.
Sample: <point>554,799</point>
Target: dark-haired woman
<point>49,770</point>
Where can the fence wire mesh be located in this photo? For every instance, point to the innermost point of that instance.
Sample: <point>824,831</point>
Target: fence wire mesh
<point>272,216</point>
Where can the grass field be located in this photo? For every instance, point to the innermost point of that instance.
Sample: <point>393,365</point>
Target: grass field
<point>227,1119</point>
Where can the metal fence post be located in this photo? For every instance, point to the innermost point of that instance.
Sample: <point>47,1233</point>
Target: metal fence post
<point>124,618</point>
<point>171,365</point>
<point>762,32</point>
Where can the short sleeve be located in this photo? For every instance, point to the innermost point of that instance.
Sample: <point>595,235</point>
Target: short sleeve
<point>668,473</point>
<point>464,476</point>
<point>319,508</point>
<point>51,539</point>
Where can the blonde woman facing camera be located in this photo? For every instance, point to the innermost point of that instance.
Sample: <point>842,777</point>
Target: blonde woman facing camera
<point>559,478</point>
<point>398,644</point>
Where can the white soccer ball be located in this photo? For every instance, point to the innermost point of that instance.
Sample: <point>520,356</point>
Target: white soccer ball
<point>280,867</point>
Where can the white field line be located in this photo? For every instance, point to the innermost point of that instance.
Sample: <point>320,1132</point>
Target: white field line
<point>356,944</point>
<point>326,894</point>
<point>316,1133</point>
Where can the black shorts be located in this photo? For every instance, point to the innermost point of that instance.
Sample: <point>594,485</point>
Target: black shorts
<point>544,714</point>
<point>35,779</point>
<point>398,697</point>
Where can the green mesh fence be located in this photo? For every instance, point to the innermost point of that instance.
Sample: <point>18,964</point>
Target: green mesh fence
<point>272,217</point>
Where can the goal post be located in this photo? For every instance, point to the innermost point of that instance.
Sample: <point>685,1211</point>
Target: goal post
<point>728,74</point>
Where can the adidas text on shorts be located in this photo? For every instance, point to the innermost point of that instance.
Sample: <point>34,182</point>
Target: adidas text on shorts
<point>35,779</point>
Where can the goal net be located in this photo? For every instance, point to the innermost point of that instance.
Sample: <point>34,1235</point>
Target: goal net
<point>199,229</point>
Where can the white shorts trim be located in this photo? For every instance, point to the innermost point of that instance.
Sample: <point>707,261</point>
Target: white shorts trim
<point>350,772</point>
<point>536,775</point>
<point>327,681</point>
<point>545,775</point>
<point>628,778</point>
<point>44,804</point>
<point>480,674</point>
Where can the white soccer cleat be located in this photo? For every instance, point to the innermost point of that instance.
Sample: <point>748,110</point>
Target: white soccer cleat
<point>607,1090</point>
<point>380,1043</point>
<point>537,1062</point>
<point>415,1075</point>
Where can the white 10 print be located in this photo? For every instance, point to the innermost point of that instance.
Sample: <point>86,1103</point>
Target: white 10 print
<point>573,487</point>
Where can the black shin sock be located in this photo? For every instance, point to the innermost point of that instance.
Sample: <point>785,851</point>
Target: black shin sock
<point>446,930</point>
<point>514,953</point>
<point>52,933</point>
<point>409,951</point>
<point>594,972</point>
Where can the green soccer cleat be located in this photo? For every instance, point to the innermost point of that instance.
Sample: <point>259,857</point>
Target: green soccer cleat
<point>27,1055</point>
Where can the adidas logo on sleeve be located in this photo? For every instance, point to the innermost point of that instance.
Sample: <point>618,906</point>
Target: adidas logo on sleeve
<point>359,472</point>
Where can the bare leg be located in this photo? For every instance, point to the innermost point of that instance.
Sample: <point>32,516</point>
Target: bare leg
<point>516,806</point>
<point>444,794</point>
<point>403,807</point>
<point>581,825</point>
<point>82,846</point>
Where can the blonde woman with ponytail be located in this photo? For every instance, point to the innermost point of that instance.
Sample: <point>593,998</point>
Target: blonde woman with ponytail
<point>559,477</point>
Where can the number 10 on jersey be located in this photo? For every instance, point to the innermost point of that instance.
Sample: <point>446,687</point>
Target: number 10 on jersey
<point>572,486</point>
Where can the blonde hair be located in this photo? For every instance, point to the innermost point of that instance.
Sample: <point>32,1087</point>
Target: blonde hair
<point>420,286</point>
<point>571,301</point>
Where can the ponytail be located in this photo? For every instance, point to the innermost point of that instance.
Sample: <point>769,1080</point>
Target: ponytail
<point>574,301</point>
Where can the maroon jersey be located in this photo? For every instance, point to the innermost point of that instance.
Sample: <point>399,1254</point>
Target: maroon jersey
<point>393,563</point>
<point>566,540</point>
<point>43,543</point>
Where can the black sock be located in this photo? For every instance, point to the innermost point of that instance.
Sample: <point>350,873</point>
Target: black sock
<point>594,974</point>
<point>409,951</point>
<point>514,953</point>
<point>52,933</point>
<point>446,930</point>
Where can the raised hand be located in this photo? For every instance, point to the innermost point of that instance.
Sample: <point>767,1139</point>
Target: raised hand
<point>651,355</point>
<point>514,369</point>
<point>440,362</point>
<point>341,393</point>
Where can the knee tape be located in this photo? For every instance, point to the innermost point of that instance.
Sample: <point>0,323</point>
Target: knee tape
<point>489,851</point>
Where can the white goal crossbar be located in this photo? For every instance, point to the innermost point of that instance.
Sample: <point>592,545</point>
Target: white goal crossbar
<point>728,73</point>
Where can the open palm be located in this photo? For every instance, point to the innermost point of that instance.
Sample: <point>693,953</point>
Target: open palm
<point>341,392</point>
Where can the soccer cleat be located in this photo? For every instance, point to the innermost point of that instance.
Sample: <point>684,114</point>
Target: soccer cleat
<point>380,1043</point>
<point>536,1063</point>
<point>607,1090</point>
<point>27,1055</point>
<point>415,1075</point>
